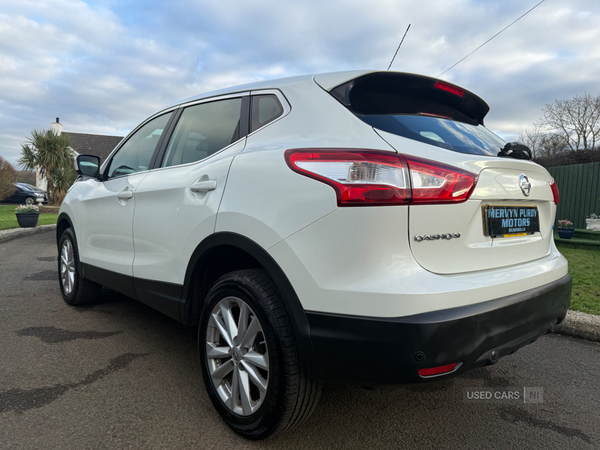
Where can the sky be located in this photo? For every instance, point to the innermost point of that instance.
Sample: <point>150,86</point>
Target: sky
<point>103,66</point>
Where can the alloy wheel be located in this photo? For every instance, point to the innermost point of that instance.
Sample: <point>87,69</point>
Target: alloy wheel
<point>67,267</point>
<point>237,356</point>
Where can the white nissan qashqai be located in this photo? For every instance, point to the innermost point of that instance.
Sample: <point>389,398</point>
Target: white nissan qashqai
<point>357,227</point>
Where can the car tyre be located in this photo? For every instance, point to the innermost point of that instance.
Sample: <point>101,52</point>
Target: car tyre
<point>272,393</point>
<point>75,289</point>
<point>29,201</point>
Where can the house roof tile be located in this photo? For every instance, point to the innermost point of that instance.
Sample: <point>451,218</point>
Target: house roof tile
<point>93,144</point>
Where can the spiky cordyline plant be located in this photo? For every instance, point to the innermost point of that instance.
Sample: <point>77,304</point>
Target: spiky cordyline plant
<point>49,152</point>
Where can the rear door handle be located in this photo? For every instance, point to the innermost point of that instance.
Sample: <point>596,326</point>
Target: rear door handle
<point>202,186</point>
<point>125,195</point>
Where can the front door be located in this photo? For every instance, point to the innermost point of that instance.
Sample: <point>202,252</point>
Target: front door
<point>105,239</point>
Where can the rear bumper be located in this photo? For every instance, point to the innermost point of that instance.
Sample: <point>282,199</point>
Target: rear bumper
<point>368,350</point>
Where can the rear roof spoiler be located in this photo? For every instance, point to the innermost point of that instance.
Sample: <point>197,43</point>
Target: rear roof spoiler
<point>398,90</point>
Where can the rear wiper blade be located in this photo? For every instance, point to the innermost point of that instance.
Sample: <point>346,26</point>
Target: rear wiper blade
<point>515,150</point>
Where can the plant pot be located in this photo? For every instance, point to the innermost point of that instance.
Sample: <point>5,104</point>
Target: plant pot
<point>593,224</point>
<point>566,233</point>
<point>27,220</point>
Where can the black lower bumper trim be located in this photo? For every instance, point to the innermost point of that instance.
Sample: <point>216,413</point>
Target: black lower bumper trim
<point>369,350</point>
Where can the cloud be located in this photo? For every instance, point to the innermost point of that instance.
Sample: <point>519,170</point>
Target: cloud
<point>103,66</point>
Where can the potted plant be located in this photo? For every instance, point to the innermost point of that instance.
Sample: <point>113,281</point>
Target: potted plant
<point>27,215</point>
<point>593,222</point>
<point>565,229</point>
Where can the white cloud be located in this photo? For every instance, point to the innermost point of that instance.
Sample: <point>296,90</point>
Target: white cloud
<point>104,65</point>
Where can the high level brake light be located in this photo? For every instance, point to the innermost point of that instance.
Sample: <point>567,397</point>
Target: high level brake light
<point>449,88</point>
<point>376,178</point>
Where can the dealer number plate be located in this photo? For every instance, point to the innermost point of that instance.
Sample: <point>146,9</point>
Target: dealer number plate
<point>510,221</point>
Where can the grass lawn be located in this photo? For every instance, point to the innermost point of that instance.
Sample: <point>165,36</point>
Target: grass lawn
<point>584,267</point>
<point>9,220</point>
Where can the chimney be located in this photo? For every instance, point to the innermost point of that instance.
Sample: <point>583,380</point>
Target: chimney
<point>57,127</point>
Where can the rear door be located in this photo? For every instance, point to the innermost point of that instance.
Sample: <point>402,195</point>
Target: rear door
<point>177,202</point>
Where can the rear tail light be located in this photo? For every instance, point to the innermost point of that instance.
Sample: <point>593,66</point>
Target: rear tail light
<point>375,178</point>
<point>360,178</point>
<point>432,371</point>
<point>433,182</point>
<point>555,193</point>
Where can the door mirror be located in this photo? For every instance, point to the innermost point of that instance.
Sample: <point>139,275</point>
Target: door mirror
<point>87,165</point>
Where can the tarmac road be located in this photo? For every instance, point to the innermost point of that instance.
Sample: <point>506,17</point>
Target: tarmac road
<point>120,375</point>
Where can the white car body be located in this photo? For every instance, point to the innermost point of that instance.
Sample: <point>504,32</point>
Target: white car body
<point>146,233</point>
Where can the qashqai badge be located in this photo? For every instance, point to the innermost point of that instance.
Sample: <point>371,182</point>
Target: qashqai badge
<point>436,237</point>
<point>525,185</point>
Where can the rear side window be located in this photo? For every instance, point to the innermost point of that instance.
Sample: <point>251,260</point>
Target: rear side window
<point>203,130</point>
<point>265,109</point>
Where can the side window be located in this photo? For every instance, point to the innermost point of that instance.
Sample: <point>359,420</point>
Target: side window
<point>265,109</point>
<point>135,155</point>
<point>203,130</point>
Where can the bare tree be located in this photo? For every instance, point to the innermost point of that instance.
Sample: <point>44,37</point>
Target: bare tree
<point>8,175</point>
<point>542,143</point>
<point>532,138</point>
<point>551,145</point>
<point>575,121</point>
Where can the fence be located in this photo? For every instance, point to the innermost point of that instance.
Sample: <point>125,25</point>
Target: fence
<point>579,187</point>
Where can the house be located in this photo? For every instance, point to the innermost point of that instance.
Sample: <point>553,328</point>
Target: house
<point>83,144</point>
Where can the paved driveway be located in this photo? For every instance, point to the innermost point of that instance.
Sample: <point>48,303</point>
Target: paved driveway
<point>120,375</point>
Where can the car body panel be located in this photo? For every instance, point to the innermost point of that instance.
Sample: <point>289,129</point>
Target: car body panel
<point>70,209</point>
<point>358,261</point>
<point>260,172</point>
<point>105,235</point>
<point>330,80</point>
<point>167,207</point>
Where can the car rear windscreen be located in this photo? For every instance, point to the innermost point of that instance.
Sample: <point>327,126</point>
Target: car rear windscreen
<point>446,133</point>
<point>423,109</point>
